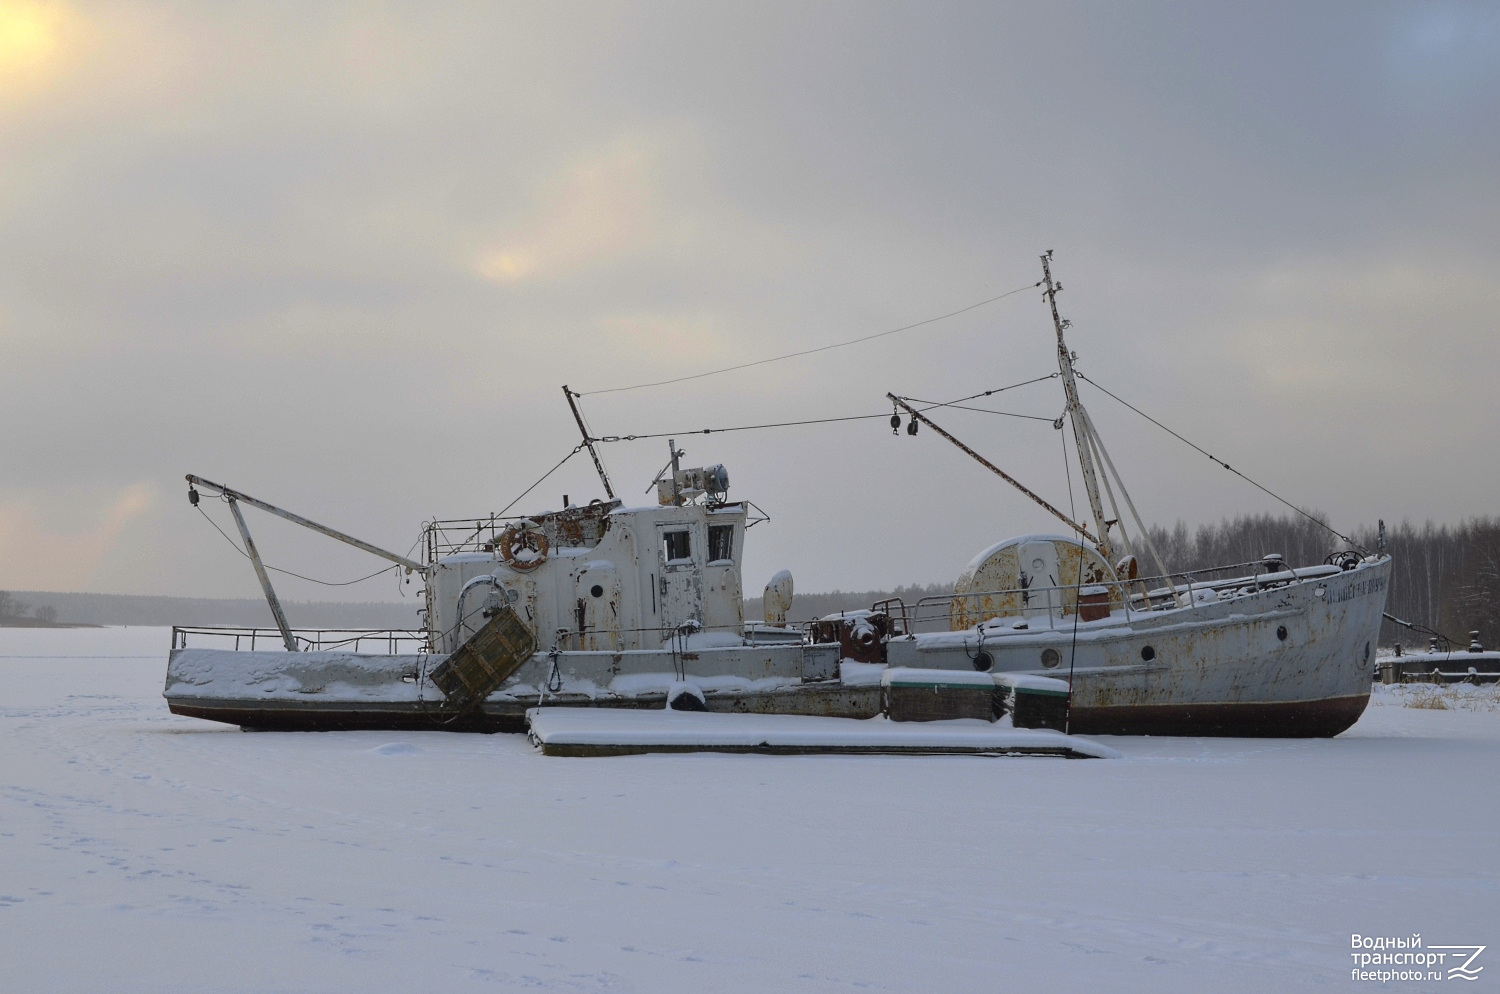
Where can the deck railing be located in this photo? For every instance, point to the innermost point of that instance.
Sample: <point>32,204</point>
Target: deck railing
<point>445,538</point>
<point>389,642</point>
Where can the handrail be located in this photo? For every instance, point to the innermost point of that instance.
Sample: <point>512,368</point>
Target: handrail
<point>309,639</point>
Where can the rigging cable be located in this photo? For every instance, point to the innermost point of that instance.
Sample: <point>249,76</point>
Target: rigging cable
<point>987,393</point>
<point>853,417</point>
<point>1321,524</point>
<point>821,348</point>
<point>979,410</point>
<point>287,572</point>
<point>1423,630</point>
<point>576,449</point>
<point>501,513</point>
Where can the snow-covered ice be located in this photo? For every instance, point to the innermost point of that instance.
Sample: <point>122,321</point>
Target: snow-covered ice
<point>140,851</point>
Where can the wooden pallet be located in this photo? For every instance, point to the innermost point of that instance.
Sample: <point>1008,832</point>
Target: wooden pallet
<point>489,658</point>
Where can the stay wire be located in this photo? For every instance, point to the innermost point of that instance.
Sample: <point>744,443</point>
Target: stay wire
<point>821,348</point>
<point>286,572</point>
<point>714,431</point>
<point>576,449</point>
<point>979,410</point>
<point>1321,524</point>
<point>853,417</point>
<point>501,513</point>
<point>1423,630</point>
<point>989,393</point>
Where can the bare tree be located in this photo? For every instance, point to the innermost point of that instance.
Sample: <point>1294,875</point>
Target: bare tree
<point>10,607</point>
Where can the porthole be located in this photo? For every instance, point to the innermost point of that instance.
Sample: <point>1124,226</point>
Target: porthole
<point>1148,653</point>
<point>596,590</point>
<point>1051,658</point>
<point>983,661</point>
<point>1281,632</point>
<point>1367,652</point>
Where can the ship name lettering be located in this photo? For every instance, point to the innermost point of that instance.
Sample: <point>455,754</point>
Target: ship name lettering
<point>1362,588</point>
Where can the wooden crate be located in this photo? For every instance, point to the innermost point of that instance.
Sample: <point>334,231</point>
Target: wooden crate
<point>489,658</point>
<point>938,695</point>
<point>1034,701</point>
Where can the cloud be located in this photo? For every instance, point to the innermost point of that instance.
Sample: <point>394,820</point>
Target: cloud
<point>684,338</point>
<point>36,555</point>
<point>1367,318</point>
<point>602,208</point>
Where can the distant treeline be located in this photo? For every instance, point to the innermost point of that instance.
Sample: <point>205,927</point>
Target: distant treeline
<point>133,609</point>
<point>1446,578</point>
<point>1245,539</point>
<point>810,607</point>
<point>14,611</point>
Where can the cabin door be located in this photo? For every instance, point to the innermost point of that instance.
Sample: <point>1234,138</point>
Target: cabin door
<point>1039,570</point>
<point>597,607</point>
<point>679,583</point>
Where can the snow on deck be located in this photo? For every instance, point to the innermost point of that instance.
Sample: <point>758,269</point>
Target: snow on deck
<point>141,851</point>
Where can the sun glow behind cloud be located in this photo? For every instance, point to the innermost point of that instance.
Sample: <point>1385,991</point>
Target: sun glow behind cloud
<point>33,44</point>
<point>600,209</point>
<point>38,556</point>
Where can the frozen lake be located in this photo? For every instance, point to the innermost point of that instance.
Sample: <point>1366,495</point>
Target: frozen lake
<point>145,852</point>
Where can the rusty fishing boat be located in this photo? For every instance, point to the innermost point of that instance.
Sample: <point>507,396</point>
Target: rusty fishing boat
<point>605,605</point>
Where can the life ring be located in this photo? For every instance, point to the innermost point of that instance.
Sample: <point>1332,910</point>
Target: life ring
<point>523,546</point>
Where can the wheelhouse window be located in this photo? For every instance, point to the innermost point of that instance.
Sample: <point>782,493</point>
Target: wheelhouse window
<point>720,543</point>
<point>677,547</point>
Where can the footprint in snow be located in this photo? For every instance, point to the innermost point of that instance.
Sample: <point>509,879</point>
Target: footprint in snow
<point>395,749</point>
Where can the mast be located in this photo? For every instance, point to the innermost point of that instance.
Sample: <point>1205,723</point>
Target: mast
<point>287,638</point>
<point>1075,409</point>
<point>588,440</point>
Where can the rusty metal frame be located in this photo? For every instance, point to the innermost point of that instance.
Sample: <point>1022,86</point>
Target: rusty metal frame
<point>483,534</point>
<point>885,607</point>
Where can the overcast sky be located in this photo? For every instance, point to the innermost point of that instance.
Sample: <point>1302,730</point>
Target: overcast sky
<point>342,257</point>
